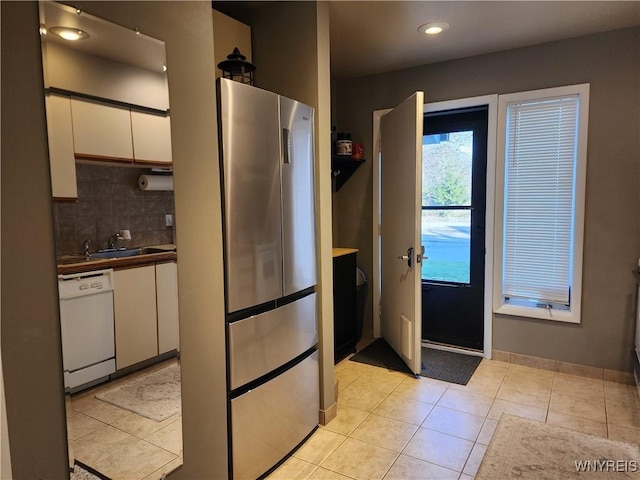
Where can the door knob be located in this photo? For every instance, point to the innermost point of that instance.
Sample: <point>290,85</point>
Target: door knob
<point>408,257</point>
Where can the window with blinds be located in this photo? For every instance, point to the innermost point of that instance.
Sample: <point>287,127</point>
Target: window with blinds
<point>540,172</point>
<point>543,161</point>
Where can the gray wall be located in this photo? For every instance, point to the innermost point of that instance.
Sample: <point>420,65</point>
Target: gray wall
<point>610,62</point>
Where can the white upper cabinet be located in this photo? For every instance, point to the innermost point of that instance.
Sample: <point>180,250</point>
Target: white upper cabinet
<point>101,131</point>
<point>151,138</point>
<point>61,155</point>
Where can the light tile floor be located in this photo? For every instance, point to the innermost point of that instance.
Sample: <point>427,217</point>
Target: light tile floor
<point>118,443</point>
<point>393,426</point>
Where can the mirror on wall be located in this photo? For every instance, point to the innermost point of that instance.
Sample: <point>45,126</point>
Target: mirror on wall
<point>108,124</point>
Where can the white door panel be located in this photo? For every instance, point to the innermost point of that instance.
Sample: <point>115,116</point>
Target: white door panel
<point>401,190</point>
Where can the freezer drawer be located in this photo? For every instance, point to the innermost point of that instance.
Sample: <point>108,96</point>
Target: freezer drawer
<point>262,343</point>
<point>272,419</point>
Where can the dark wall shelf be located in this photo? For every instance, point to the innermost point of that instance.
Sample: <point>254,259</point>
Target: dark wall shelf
<point>342,167</point>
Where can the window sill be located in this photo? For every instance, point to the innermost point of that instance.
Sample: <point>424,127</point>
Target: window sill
<point>541,313</point>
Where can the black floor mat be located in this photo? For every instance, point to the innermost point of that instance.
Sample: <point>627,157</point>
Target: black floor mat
<point>84,472</point>
<point>380,354</point>
<point>448,366</point>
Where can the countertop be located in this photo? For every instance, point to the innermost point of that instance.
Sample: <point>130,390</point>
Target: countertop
<point>338,252</point>
<point>68,264</point>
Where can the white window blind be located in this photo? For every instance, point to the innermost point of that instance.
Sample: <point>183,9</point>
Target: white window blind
<point>540,165</point>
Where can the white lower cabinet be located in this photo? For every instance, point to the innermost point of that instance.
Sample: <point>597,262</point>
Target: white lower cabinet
<point>136,324</point>
<point>167,303</point>
<point>146,312</point>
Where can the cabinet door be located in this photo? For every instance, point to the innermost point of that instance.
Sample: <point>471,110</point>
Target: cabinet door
<point>61,159</point>
<point>101,132</point>
<point>135,315</point>
<point>167,302</point>
<point>344,305</point>
<point>151,138</point>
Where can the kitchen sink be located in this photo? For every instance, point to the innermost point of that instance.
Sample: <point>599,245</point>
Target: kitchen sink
<point>126,252</point>
<point>116,253</point>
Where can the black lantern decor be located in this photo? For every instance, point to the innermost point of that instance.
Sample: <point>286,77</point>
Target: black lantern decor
<point>236,68</point>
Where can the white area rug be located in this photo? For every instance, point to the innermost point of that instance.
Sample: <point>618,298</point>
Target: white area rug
<point>155,395</point>
<point>528,450</point>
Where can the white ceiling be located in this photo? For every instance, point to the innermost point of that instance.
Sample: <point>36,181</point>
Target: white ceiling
<point>370,37</point>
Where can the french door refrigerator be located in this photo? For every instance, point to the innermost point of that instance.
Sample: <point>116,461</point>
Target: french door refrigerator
<point>266,152</point>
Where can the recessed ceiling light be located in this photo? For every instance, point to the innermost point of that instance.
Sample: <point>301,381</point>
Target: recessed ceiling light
<point>71,34</point>
<point>433,28</point>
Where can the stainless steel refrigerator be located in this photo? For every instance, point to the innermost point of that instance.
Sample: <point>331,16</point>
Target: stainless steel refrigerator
<point>266,151</point>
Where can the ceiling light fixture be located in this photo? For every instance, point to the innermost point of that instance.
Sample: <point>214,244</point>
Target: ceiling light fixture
<point>71,34</point>
<point>433,28</point>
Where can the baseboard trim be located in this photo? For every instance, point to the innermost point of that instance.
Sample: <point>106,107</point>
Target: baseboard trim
<point>328,414</point>
<point>615,376</point>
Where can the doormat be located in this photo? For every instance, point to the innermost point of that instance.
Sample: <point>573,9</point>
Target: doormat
<point>448,366</point>
<point>524,449</point>
<point>380,354</point>
<point>155,395</point>
<point>83,472</point>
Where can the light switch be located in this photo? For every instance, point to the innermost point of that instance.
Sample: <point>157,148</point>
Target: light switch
<point>168,220</point>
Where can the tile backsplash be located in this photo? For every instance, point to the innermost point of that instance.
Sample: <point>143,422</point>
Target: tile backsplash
<point>110,200</point>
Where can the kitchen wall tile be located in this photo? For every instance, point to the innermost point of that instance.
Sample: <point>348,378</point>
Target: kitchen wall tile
<point>153,205</point>
<point>102,190</point>
<point>100,174</point>
<point>109,200</point>
<point>136,223</point>
<point>121,191</point>
<point>102,207</point>
<point>154,222</point>
<point>85,227</point>
<point>65,209</point>
<point>83,173</point>
<point>67,227</point>
<point>135,205</point>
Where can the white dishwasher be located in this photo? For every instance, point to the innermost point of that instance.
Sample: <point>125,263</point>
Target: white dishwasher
<point>86,319</point>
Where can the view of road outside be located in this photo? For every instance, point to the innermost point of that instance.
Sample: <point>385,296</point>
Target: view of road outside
<point>446,182</point>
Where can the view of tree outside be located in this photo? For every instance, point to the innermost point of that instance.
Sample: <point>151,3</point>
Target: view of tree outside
<point>446,182</point>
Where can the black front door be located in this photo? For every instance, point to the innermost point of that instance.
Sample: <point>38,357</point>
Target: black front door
<point>454,173</point>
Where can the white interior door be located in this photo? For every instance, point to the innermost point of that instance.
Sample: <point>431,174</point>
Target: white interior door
<point>400,200</point>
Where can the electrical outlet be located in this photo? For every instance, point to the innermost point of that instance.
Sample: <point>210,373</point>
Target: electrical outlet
<point>168,220</point>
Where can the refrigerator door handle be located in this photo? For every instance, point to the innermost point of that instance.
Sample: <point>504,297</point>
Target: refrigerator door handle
<point>286,146</point>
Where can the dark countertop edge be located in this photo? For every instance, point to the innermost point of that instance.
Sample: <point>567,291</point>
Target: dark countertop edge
<point>116,263</point>
<point>636,274</point>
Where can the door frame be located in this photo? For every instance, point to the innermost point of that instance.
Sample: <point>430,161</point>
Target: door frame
<point>492,124</point>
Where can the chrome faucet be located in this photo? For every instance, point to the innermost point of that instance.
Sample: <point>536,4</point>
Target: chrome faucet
<point>113,239</point>
<point>85,246</point>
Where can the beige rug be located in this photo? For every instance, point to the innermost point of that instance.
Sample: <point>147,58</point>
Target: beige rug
<point>528,450</point>
<point>155,395</point>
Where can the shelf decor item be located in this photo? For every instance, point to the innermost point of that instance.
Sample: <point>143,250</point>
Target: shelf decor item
<point>237,68</point>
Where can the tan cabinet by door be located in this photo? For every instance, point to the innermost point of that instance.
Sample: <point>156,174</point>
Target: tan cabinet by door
<point>151,138</point>
<point>101,132</point>
<point>136,323</point>
<point>167,303</point>
<point>61,158</point>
